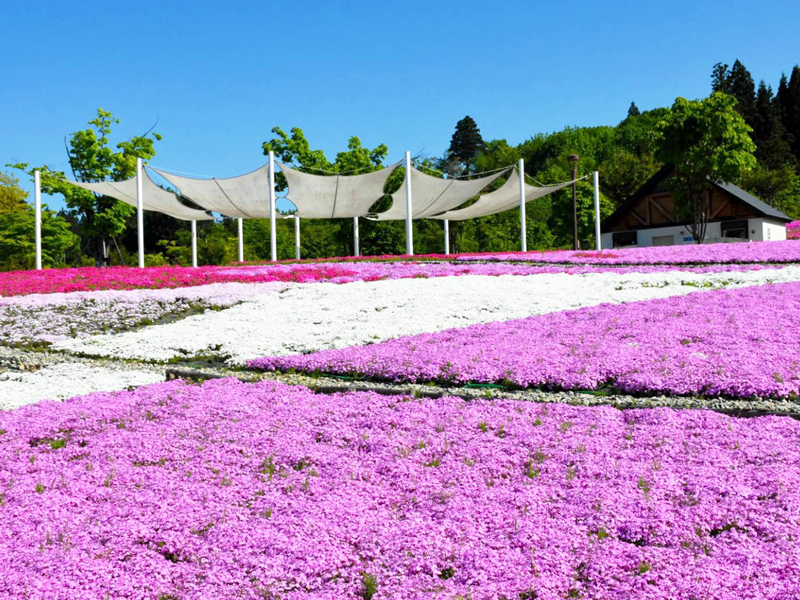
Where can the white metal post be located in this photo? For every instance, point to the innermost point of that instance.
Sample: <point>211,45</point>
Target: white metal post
<point>37,194</point>
<point>273,240</point>
<point>409,226</point>
<point>194,243</point>
<point>241,240</point>
<point>140,210</point>
<point>297,237</point>
<point>523,221</point>
<point>446,237</point>
<point>356,250</point>
<point>597,209</point>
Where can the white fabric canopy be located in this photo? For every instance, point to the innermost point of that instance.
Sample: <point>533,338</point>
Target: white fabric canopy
<point>431,195</point>
<point>334,196</point>
<point>154,197</point>
<point>502,199</point>
<point>245,196</point>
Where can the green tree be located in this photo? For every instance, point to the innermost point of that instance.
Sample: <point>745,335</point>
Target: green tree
<point>92,159</point>
<point>466,143</point>
<point>778,187</point>
<point>18,239</point>
<point>768,131</point>
<point>720,74</point>
<point>375,237</point>
<point>788,100</point>
<point>633,110</point>
<point>18,230</point>
<point>12,197</point>
<point>708,142</point>
<point>742,87</point>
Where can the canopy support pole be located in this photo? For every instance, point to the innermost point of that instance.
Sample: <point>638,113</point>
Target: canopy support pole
<point>37,186</point>
<point>241,240</point>
<point>596,180</point>
<point>273,244</point>
<point>297,237</point>
<point>409,226</point>
<point>194,243</point>
<point>446,237</point>
<point>356,249</point>
<point>140,210</point>
<point>523,219</point>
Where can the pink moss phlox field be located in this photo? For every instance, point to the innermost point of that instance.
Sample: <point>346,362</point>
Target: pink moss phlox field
<point>793,230</point>
<point>48,281</point>
<point>780,252</point>
<point>253,491</point>
<point>739,343</point>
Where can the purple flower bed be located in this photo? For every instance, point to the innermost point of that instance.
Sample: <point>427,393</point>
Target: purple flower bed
<point>232,490</point>
<point>740,252</point>
<point>739,343</point>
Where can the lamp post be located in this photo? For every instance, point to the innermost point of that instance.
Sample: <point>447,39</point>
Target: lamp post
<point>573,159</point>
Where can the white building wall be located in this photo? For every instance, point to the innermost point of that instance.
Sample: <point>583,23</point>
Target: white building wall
<point>758,229</point>
<point>774,230</point>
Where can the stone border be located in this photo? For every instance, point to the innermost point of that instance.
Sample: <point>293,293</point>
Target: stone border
<point>323,385</point>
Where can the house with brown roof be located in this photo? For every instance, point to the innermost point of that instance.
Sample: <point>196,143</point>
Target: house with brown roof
<point>648,217</point>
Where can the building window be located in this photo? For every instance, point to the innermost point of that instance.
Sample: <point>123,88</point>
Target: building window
<point>624,238</point>
<point>663,240</point>
<point>734,229</point>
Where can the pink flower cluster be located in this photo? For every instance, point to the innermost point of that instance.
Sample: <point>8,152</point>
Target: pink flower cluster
<point>691,254</point>
<point>739,343</point>
<point>253,491</point>
<point>19,283</point>
<point>793,230</point>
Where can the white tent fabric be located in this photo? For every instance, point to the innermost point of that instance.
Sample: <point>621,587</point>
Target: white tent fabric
<point>245,196</point>
<point>154,197</point>
<point>501,200</point>
<point>334,196</point>
<point>431,195</point>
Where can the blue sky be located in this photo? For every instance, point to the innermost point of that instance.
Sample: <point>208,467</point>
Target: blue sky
<point>217,76</point>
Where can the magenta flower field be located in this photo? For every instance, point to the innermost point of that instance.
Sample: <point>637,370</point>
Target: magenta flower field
<point>739,343</point>
<point>88,279</point>
<point>253,491</point>
<point>690,254</point>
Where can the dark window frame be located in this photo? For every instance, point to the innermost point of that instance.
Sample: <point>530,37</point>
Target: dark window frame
<point>622,239</point>
<point>738,225</point>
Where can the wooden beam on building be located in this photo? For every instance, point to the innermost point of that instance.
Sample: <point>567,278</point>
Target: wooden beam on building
<point>662,210</point>
<point>719,209</point>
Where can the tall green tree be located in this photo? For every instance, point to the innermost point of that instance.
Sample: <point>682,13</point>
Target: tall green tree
<point>788,100</point>
<point>708,142</point>
<point>633,110</point>
<point>719,78</point>
<point>93,159</point>
<point>466,143</point>
<point>768,132</point>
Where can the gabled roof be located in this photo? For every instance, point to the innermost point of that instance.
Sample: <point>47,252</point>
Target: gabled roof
<point>759,206</point>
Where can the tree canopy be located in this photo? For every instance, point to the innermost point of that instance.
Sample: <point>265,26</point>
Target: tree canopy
<point>466,143</point>
<point>17,230</point>
<point>92,159</point>
<point>708,142</point>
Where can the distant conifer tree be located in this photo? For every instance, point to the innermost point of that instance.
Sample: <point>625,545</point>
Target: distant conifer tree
<point>768,131</point>
<point>466,142</point>
<point>633,110</point>
<point>742,87</point>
